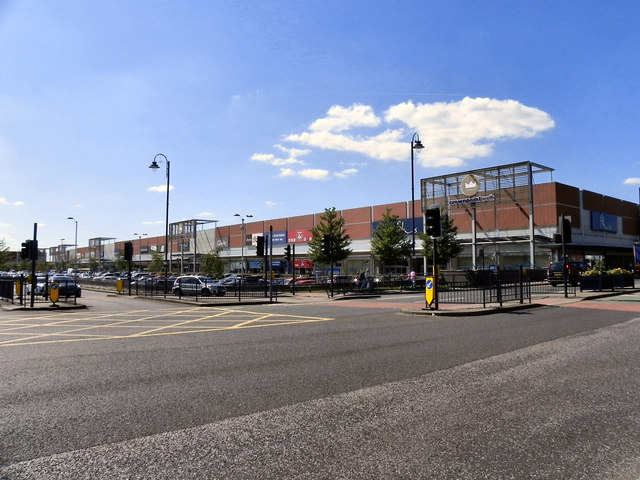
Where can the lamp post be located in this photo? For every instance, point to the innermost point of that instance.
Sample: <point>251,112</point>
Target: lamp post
<point>140,250</point>
<point>243,229</point>
<point>61,255</point>
<point>415,145</point>
<point>154,166</point>
<point>75,249</point>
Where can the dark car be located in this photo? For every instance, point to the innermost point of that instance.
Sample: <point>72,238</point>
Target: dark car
<point>67,286</point>
<point>555,275</point>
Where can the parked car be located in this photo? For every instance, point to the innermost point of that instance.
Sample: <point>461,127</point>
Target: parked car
<point>107,277</point>
<point>197,285</point>
<point>343,280</point>
<point>67,286</point>
<point>555,275</point>
<point>41,285</point>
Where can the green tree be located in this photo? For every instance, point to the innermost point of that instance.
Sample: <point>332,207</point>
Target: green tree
<point>447,244</point>
<point>211,264</point>
<point>330,224</point>
<point>5,255</point>
<point>389,241</point>
<point>120,263</point>
<point>93,264</point>
<point>157,262</point>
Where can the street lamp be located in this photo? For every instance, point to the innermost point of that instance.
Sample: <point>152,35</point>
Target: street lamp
<point>75,248</point>
<point>243,229</point>
<point>140,250</point>
<point>415,145</point>
<point>154,166</point>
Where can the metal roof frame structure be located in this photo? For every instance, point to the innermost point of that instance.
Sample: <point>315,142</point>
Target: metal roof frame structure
<point>499,185</point>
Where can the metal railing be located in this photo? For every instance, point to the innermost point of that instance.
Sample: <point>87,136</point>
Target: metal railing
<point>18,290</point>
<point>211,291</point>
<point>486,286</point>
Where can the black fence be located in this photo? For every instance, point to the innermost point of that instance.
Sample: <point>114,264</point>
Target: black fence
<point>210,292</point>
<point>24,291</point>
<point>489,286</point>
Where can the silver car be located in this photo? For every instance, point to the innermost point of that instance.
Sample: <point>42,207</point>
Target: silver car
<point>197,285</point>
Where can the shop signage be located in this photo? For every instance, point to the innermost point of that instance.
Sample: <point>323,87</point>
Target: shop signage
<point>604,222</point>
<point>470,186</point>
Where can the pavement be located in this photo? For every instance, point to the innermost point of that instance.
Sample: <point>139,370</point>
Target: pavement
<point>410,306</point>
<point>458,309</point>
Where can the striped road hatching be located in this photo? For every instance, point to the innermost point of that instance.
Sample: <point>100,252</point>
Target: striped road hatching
<point>63,327</point>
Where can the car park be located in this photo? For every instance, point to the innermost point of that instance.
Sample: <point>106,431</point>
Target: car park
<point>197,285</point>
<point>555,274</point>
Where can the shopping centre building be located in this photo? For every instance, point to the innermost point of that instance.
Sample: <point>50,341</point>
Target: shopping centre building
<point>506,216</point>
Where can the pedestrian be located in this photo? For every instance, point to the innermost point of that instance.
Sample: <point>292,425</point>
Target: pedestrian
<point>412,278</point>
<point>362,280</point>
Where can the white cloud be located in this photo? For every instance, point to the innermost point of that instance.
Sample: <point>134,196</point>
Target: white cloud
<point>155,222</point>
<point>341,118</point>
<point>346,173</point>
<point>160,188</point>
<point>314,173</point>
<point>384,146</point>
<point>309,173</point>
<point>205,214</point>
<point>632,181</point>
<point>287,172</point>
<point>458,131</point>
<point>270,203</point>
<point>17,203</point>
<point>290,159</point>
<point>452,133</point>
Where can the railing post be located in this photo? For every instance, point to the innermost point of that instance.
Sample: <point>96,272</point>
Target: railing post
<point>520,281</point>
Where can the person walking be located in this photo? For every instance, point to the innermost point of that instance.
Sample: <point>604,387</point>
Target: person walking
<point>362,280</point>
<point>412,279</point>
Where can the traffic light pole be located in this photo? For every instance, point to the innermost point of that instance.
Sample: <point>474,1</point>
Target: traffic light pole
<point>293,263</point>
<point>564,256</point>
<point>435,273</point>
<point>34,257</point>
<point>271,263</point>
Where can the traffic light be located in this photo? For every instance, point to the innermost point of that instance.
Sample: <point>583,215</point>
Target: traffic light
<point>326,245</point>
<point>260,246</point>
<point>566,230</point>
<point>287,253</point>
<point>29,250</point>
<point>128,251</point>
<point>434,226</point>
<point>26,250</point>
<point>33,249</point>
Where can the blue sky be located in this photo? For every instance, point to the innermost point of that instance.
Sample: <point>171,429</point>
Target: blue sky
<point>284,108</point>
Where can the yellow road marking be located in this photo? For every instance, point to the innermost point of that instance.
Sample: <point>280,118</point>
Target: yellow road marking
<point>76,328</point>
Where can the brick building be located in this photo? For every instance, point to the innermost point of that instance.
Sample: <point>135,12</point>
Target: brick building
<point>504,215</point>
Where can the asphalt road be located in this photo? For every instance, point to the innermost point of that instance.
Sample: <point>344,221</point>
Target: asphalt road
<point>138,389</point>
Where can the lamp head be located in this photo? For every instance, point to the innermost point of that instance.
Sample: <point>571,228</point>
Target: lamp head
<point>154,165</point>
<point>418,145</point>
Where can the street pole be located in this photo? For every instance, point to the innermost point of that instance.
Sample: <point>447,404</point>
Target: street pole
<point>415,145</point>
<point>154,166</point>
